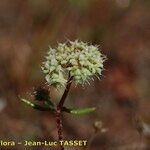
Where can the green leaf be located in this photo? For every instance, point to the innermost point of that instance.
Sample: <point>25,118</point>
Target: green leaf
<point>35,106</point>
<point>42,95</point>
<point>49,104</point>
<point>82,111</point>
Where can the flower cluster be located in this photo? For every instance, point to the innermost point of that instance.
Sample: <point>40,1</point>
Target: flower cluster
<point>77,59</point>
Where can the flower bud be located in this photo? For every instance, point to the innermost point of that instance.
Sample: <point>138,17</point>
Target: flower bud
<point>75,58</point>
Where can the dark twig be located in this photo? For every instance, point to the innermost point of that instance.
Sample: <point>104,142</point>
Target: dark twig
<point>61,103</point>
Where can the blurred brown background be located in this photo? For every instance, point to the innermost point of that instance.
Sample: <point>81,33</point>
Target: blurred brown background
<point>120,27</point>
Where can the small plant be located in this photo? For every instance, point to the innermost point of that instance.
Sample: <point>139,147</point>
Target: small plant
<point>70,62</point>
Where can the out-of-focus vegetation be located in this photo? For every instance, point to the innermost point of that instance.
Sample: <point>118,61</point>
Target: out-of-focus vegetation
<point>120,27</point>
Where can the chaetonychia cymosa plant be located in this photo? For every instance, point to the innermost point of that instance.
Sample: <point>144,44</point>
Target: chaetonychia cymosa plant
<point>74,61</point>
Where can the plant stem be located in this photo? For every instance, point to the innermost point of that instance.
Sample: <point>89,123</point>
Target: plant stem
<point>61,103</point>
<point>59,111</point>
<point>59,125</point>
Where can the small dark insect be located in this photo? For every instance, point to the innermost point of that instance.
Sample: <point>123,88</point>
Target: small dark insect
<point>41,94</point>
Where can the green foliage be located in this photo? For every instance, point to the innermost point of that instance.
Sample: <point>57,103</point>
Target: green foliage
<point>49,106</point>
<point>42,94</point>
<point>81,111</point>
<point>36,106</point>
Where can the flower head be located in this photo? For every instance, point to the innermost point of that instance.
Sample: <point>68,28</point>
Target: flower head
<point>76,59</point>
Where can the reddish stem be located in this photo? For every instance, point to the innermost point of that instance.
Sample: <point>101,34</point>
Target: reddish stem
<point>59,125</point>
<point>61,103</point>
<point>59,111</point>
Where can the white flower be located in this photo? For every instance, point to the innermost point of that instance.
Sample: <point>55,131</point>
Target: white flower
<point>77,59</point>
